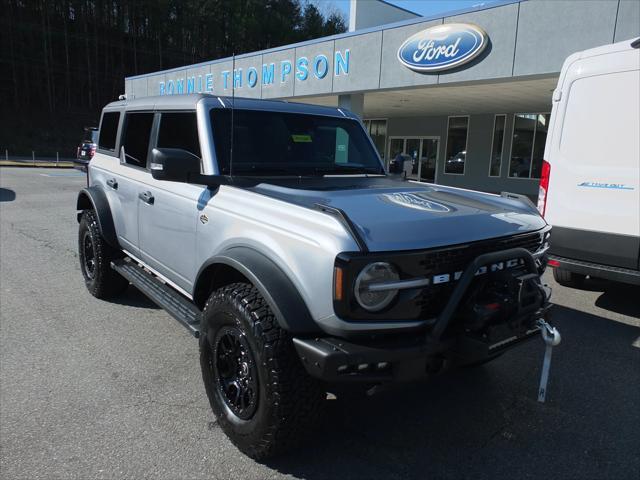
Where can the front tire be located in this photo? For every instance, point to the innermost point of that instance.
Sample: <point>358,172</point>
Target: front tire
<point>95,260</point>
<point>258,389</point>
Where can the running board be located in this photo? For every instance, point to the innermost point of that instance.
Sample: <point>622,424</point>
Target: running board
<point>163,295</point>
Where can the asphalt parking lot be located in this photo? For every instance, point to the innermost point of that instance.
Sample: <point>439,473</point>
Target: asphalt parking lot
<point>90,389</point>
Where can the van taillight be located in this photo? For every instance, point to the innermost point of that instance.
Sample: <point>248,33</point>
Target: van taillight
<point>543,190</point>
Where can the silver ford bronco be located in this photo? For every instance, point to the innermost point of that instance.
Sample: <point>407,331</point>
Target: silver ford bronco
<point>272,232</point>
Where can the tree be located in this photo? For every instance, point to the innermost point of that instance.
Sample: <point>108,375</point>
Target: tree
<point>64,59</point>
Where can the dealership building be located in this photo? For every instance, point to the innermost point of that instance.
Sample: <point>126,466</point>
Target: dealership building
<point>462,99</point>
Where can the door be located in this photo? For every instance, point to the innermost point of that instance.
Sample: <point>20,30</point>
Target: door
<point>124,178</point>
<point>168,211</point>
<point>416,157</point>
<point>429,159</point>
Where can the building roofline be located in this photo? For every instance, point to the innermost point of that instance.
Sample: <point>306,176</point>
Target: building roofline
<point>400,8</point>
<point>339,36</point>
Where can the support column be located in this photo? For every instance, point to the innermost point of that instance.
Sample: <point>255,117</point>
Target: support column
<point>353,102</point>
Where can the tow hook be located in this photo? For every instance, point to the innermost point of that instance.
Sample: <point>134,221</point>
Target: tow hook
<point>552,338</point>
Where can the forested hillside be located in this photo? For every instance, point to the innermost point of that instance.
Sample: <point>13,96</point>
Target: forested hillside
<point>62,60</point>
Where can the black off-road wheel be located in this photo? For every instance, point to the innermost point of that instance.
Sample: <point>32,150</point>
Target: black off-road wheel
<point>258,389</point>
<point>95,260</point>
<point>568,279</point>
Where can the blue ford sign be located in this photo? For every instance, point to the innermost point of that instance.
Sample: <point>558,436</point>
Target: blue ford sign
<point>442,47</point>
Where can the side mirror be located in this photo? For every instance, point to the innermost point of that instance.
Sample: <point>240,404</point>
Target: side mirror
<point>174,164</point>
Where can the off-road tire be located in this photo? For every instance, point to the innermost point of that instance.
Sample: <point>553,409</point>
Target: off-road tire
<point>568,279</point>
<point>101,280</point>
<point>289,401</point>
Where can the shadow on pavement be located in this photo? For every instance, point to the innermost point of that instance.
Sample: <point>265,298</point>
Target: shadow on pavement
<point>486,423</point>
<point>133,297</point>
<point>7,195</point>
<point>621,298</point>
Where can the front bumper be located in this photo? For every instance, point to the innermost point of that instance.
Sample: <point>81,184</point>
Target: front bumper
<point>390,359</point>
<point>335,360</point>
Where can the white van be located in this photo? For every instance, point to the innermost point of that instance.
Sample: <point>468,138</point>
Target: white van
<point>590,183</point>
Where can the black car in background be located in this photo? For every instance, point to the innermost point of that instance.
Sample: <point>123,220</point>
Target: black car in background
<point>87,147</point>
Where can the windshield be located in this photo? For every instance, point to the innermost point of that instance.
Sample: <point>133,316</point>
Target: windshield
<point>285,144</point>
<point>90,136</point>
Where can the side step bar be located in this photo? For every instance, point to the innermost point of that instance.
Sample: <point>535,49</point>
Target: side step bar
<point>164,296</point>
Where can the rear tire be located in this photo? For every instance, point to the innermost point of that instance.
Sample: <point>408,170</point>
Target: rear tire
<point>568,279</point>
<point>258,389</point>
<point>95,260</point>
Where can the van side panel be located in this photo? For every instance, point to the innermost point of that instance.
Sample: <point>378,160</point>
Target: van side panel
<point>593,201</point>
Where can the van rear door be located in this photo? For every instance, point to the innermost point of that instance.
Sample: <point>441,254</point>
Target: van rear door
<point>593,200</point>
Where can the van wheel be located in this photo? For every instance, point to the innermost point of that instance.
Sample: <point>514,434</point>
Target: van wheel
<point>263,398</point>
<point>95,260</point>
<point>568,279</point>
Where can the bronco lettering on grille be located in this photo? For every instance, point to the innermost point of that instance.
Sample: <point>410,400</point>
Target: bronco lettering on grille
<point>494,267</point>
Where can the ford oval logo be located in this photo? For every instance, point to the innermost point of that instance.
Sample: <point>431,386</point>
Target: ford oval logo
<point>415,200</point>
<point>442,47</point>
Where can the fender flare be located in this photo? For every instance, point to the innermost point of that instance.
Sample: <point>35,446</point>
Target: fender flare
<point>94,198</point>
<point>274,285</point>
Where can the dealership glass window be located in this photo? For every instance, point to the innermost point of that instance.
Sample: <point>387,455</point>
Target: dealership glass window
<point>135,139</point>
<point>108,130</point>
<point>497,147</point>
<point>527,144</point>
<point>456,145</point>
<point>179,130</point>
<point>378,132</point>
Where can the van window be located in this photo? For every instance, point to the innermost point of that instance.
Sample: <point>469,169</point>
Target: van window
<point>599,111</point>
<point>179,130</point>
<point>108,130</point>
<point>135,139</point>
<point>527,144</point>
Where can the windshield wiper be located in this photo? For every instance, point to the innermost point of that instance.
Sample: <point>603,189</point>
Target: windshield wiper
<point>353,169</point>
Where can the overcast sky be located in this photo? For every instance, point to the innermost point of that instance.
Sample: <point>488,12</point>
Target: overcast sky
<point>421,7</point>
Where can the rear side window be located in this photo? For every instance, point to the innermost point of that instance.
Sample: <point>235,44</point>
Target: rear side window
<point>135,139</point>
<point>179,130</point>
<point>108,130</point>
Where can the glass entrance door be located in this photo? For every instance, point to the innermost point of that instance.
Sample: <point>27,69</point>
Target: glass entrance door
<point>415,157</point>
<point>412,148</point>
<point>429,159</point>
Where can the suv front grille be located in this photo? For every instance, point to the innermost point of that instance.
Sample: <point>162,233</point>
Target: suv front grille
<point>432,299</point>
<point>427,302</point>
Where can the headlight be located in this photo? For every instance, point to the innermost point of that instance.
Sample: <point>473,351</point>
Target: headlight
<point>375,273</point>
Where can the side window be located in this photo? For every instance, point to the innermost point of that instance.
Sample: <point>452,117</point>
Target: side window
<point>108,130</point>
<point>135,138</point>
<point>179,130</point>
<point>456,145</point>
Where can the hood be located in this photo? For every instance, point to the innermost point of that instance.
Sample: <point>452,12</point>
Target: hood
<point>399,215</point>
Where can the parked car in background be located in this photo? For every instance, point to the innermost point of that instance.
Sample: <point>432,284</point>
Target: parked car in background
<point>590,182</point>
<point>456,163</point>
<point>87,148</point>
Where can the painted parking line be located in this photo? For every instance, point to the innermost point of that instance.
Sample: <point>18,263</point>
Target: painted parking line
<point>64,174</point>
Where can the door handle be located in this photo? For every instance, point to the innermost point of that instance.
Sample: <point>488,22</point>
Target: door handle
<point>112,183</point>
<point>146,197</point>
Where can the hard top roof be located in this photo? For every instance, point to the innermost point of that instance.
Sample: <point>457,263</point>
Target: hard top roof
<point>190,102</point>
